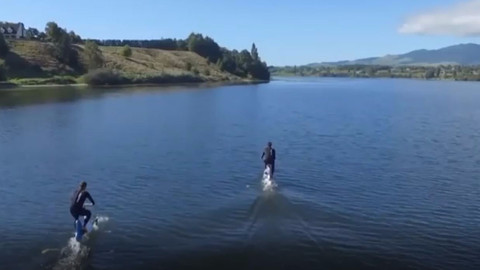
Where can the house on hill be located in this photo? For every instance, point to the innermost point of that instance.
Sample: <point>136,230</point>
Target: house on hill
<point>12,30</point>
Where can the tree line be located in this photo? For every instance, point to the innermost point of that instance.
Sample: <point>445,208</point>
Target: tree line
<point>443,72</point>
<point>243,64</point>
<point>164,44</point>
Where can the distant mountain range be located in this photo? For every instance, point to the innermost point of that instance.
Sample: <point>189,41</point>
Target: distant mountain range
<point>462,54</point>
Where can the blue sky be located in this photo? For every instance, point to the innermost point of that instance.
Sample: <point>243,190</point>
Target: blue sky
<point>285,32</point>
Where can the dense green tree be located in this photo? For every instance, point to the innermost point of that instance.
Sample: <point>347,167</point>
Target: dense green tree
<point>182,45</point>
<point>54,33</point>
<point>227,62</point>
<point>236,68</point>
<point>94,55</point>
<point>42,36</point>
<point>244,64</point>
<point>32,33</point>
<point>254,53</point>
<point>245,60</point>
<point>193,40</point>
<point>369,71</point>
<point>205,47</point>
<point>126,51</point>
<point>3,46</point>
<point>62,41</point>
<point>76,39</point>
<point>104,77</point>
<point>3,75</point>
<point>64,46</point>
<point>64,52</point>
<point>259,70</point>
<point>430,73</point>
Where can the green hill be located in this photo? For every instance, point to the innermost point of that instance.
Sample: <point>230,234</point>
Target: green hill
<point>32,62</point>
<point>462,54</point>
<point>459,62</point>
<point>57,56</point>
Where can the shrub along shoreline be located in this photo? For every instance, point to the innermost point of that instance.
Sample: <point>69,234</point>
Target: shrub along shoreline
<point>108,78</point>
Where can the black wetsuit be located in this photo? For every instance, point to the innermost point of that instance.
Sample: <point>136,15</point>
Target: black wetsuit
<point>76,207</point>
<point>268,157</point>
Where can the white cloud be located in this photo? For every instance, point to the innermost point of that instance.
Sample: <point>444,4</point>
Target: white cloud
<point>462,19</point>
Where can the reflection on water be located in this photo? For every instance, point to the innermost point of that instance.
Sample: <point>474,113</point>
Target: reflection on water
<point>38,95</point>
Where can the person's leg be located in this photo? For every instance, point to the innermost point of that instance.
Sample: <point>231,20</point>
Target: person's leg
<point>75,215</point>
<point>87,213</point>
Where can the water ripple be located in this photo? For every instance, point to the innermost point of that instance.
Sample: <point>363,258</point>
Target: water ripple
<point>369,177</point>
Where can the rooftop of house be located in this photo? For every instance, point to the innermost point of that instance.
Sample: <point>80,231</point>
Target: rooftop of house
<point>9,28</point>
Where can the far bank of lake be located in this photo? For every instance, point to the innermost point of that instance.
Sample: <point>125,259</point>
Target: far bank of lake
<point>448,72</point>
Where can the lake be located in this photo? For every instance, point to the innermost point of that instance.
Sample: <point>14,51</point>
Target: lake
<point>370,174</point>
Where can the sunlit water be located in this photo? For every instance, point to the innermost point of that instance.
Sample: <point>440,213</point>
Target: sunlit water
<point>370,174</point>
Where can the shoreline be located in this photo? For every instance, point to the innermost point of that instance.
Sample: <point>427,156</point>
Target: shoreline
<point>364,77</point>
<point>7,86</point>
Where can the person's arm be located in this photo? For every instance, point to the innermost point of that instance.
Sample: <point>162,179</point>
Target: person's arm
<point>274,154</point>
<point>90,198</point>
<point>263,154</point>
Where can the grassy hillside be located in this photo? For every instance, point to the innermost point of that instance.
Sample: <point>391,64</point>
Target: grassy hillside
<point>154,61</point>
<point>31,62</point>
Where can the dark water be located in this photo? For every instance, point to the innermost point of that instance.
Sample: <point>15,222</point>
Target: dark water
<point>371,174</point>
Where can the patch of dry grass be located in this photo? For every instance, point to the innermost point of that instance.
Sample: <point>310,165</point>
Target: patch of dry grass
<point>143,62</point>
<point>36,53</point>
<point>152,62</point>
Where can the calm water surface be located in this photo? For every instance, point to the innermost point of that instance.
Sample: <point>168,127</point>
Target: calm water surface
<point>371,174</point>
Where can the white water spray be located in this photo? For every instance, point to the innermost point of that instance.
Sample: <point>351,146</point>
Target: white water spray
<point>74,253</point>
<point>267,180</point>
